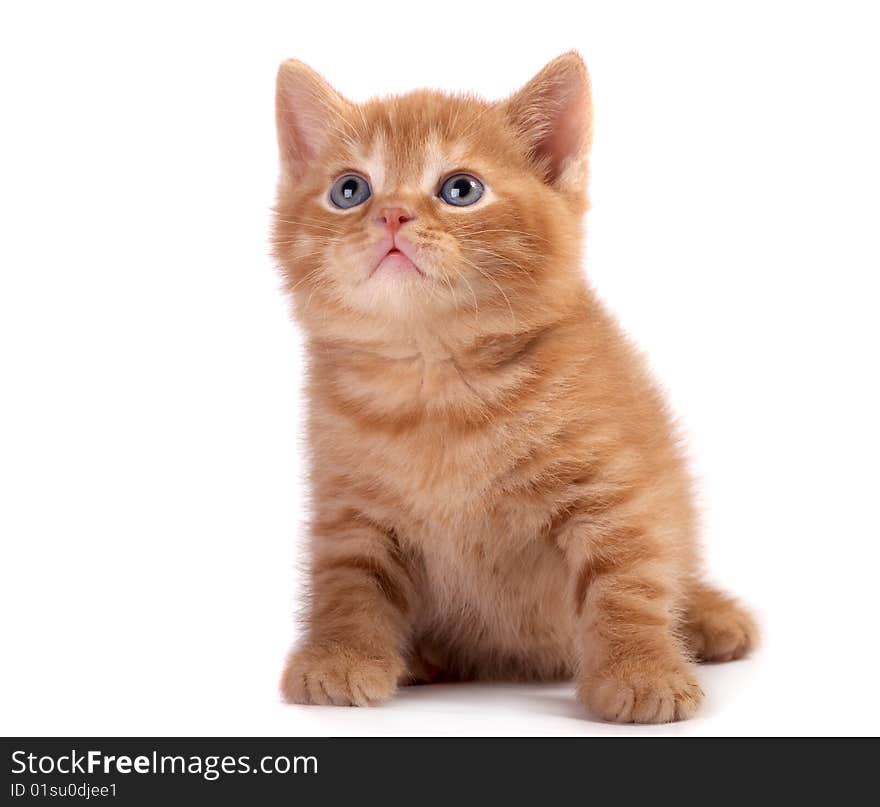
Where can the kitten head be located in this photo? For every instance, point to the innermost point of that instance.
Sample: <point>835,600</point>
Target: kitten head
<point>431,210</point>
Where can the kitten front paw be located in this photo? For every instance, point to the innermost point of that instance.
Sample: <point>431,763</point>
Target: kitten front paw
<point>338,675</point>
<point>652,692</point>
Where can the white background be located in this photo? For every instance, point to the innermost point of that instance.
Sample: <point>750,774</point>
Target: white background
<point>151,413</point>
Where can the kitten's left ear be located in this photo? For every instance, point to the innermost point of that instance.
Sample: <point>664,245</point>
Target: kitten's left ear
<point>553,116</point>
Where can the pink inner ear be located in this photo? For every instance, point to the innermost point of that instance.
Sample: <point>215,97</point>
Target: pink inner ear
<point>298,128</point>
<point>305,106</point>
<point>567,135</point>
<point>552,112</point>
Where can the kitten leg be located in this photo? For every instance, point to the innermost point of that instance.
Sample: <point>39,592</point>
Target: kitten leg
<point>632,668</point>
<point>425,665</point>
<point>361,594</point>
<point>716,627</point>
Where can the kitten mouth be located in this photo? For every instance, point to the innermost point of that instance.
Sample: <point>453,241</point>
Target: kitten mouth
<point>397,262</point>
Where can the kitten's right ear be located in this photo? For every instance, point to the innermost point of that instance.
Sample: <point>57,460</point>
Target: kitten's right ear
<point>306,108</point>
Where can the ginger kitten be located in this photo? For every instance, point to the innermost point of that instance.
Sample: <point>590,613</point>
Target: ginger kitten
<point>497,487</point>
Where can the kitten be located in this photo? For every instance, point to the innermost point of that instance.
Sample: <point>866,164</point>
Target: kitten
<point>497,487</point>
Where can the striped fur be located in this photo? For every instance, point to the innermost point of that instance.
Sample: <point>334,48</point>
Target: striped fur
<point>497,486</point>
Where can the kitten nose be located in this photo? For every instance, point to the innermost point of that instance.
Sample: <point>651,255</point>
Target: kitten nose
<point>394,217</point>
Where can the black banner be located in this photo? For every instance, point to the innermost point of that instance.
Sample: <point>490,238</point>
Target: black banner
<point>266,771</point>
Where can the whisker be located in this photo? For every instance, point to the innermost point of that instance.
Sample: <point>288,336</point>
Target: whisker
<point>497,286</point>
<point>474,296</point>
<point>526,235</point>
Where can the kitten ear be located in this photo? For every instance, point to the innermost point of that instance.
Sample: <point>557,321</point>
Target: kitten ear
<point>306,108</point>
<point>553,116</point>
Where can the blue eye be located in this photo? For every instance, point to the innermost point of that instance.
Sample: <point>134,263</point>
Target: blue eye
<point>461,190</point>
<point>349,191</point>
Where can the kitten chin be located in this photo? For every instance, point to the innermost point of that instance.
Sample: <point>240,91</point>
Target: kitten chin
<point>498,490</point>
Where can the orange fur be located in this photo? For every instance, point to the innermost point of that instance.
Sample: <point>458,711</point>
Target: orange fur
<point>498,490</point>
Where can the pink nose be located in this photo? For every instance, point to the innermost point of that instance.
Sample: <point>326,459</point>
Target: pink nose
<point>394,217</point>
